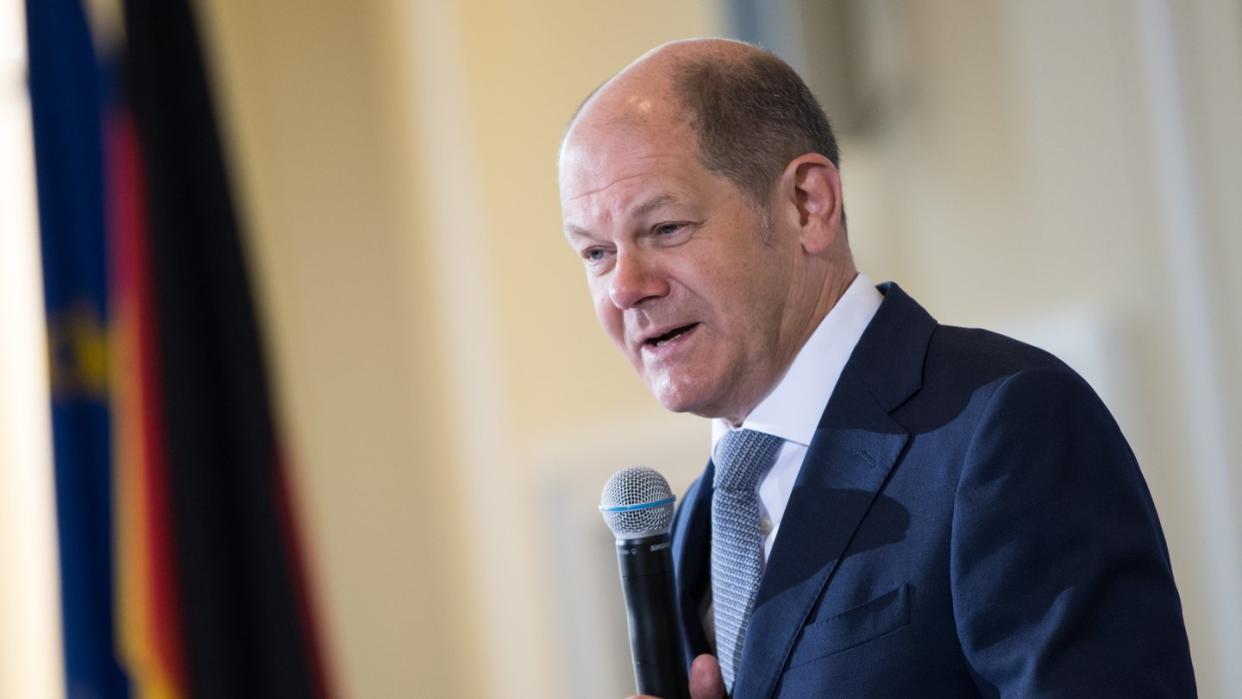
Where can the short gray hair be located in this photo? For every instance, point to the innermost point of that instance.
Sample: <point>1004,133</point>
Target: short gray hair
<point>752,115</point>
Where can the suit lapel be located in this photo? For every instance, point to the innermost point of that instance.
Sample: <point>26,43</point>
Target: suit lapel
<point>691,558</point>
<point>849,459</point>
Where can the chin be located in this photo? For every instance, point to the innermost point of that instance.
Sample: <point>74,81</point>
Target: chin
<point>674,405</point>
<point>680,397</point>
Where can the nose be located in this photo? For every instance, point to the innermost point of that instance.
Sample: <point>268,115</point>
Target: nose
<point>635,279</point>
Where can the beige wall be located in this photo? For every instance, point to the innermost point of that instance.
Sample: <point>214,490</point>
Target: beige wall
<point>431,328</point>
<point>30,660</point>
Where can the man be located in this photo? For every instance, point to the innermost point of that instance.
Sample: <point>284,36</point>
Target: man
<point>894,508</point>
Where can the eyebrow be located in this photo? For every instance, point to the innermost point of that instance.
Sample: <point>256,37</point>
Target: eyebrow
<point>639,211</point>
<point>577,232</point>
<point>651,205</point>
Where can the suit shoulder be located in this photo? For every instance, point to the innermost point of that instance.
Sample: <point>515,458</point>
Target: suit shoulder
<point>964,367</point>
<point>974,357</point>
<point>984,351</point>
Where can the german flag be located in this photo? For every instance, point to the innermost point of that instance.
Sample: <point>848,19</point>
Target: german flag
<point>210,597</point>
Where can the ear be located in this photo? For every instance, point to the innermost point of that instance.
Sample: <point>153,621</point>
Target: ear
<point>811,189</point>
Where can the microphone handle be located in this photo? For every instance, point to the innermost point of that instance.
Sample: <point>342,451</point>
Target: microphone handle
<point>655,643</point>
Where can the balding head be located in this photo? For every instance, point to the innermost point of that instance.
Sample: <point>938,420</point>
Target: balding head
<point>748,112</point>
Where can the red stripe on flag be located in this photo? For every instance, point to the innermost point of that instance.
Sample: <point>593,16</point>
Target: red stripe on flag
<point>155,622</point>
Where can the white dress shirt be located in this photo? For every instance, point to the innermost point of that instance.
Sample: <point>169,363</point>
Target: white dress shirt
<point>792,410</point>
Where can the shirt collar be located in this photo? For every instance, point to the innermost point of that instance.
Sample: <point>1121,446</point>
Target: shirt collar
<point>792,410</point>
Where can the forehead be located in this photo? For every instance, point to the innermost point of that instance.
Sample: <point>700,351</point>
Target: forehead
<point>596,151</point>
<point>606,167</point>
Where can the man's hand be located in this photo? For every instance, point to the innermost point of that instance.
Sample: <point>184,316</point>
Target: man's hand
<point>705,679</point>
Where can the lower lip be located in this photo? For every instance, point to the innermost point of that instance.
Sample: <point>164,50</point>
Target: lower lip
<point>672,345</point>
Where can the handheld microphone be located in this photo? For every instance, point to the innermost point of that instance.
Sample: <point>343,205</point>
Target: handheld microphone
<point>637,505</point>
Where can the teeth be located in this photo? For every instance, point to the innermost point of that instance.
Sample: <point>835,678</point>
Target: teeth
<point>670,336</point>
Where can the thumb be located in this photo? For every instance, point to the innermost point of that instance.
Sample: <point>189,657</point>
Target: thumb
<point>705,679</point>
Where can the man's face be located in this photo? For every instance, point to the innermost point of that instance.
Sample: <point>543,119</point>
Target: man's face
<point>685,280</point>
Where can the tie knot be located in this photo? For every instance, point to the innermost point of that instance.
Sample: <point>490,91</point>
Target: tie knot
<point>742,457</point>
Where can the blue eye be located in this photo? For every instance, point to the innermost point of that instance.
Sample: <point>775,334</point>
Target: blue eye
<point>669,228</point>
<point>593,255</point>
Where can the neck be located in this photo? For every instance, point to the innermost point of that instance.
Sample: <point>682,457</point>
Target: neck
<point>834,286</point>
<point>819,300</point>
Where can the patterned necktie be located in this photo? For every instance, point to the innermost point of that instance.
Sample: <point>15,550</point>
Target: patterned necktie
<point>742,457</point>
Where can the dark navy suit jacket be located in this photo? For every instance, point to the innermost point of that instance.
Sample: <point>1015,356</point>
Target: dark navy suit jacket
<point>969,521</point>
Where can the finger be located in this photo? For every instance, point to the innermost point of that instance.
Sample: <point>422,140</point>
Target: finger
<point>705,679</point>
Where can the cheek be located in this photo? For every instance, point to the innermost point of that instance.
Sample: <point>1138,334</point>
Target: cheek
<point>609,317</point>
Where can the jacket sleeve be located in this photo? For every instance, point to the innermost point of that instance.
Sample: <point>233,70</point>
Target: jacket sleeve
<point>1061,578</point>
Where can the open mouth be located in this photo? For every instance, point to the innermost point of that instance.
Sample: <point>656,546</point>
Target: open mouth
<point>669,336</point>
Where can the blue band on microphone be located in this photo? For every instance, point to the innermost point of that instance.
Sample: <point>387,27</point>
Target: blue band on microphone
<point>639,506</point>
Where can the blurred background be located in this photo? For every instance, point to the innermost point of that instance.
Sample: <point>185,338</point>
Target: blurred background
<point>1068,173</point>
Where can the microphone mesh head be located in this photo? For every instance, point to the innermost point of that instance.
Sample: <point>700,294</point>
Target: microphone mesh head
<point>636,503</point>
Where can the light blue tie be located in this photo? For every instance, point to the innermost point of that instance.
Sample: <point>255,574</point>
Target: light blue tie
<point>741,459</point>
